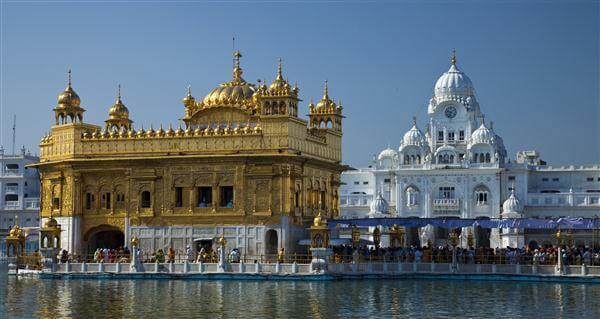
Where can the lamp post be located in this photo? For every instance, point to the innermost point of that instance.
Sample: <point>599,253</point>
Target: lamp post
<point>594,243</point>
<point>559,260</point>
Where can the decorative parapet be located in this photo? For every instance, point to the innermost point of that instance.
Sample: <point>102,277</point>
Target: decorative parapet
<point>211,130</point>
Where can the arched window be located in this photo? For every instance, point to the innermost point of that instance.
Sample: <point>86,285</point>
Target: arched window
<point>146,199</point>
<point>412,196</point>
<point>481,195</point>
<point>481,158</point>
<point>488,158</point>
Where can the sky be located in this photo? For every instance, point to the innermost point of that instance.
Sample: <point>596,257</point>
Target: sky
<point>535,66</point>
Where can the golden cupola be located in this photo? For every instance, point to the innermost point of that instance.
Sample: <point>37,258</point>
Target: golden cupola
<point>237,92</point>
<point>118,115</point>
<point>326,114</point>
<point>279,98</point>
<point>281,87</point>
<point>189,100</point>
<point>326,104</point>
<point>68,106</point>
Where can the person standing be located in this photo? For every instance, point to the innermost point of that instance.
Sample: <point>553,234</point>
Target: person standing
<point>170,255</point>
<point>189,252</point>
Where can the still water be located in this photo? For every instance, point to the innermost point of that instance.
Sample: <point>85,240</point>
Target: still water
<point>32,298</point>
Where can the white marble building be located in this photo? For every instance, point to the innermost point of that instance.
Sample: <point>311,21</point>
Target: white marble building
<point>19,196</point>
<point>457,167</point>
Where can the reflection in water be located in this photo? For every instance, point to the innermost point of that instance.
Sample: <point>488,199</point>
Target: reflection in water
<point>287,299</point>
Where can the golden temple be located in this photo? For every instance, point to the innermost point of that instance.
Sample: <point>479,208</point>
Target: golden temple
<point>244,165</point>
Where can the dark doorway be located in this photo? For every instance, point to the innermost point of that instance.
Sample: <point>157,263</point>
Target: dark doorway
<point>111,239</point>
<point>271,242</point>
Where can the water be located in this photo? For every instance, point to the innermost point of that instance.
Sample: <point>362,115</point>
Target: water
<point>27,298</point>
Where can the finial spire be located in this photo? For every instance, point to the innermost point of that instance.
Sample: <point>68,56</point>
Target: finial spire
<point>414,121</point>
<point>453,57</point>
<point>279,72</point>
<point>326,91</point>
<point>69,76</point>
<point>189,90</point>
<point>119,92</point>
<point>236,56</point>
<point>237,71</point>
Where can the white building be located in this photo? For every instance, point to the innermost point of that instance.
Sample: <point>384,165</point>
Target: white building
<point>19,196</point>
<point>457,167</point>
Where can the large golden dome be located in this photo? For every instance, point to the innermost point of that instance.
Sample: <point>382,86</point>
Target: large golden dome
<point>237,92</point>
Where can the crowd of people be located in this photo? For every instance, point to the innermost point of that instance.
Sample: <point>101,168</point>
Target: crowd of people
<point>480,255</point>
<point>347,253</point>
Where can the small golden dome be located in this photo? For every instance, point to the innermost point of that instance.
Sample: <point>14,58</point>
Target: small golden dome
<point>319,221</point>
<point>326,104</point>
<point>51,223</point>
<point>179,131</point>
<point>68,98</point>
<point>16,231</point>
<point>279,85</point>
<point>189,100</point>
<point>118,110</point>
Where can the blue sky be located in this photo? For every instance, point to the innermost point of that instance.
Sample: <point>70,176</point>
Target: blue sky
<point>534,66</point>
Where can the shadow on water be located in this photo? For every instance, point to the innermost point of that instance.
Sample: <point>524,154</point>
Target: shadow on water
<point>284,299</point>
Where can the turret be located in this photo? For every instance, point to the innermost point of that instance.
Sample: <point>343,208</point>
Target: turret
<point>118,115</point>
<point>326,114</point>
<point>68,106</point>
<point>280,98</point>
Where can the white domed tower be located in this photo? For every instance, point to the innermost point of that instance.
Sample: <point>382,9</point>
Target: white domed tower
<point>512,237</point>
<point>511,207</point>
<point>387,159</point>
<point>379,207</point>
<point>456,127</point>
<point>413,147</point>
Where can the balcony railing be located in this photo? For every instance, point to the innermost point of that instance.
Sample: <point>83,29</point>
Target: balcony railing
<point>12,204</point>
<point>563,199</point>
<point>446,204</point>
<point>12,172</point>
<point>32,203</point>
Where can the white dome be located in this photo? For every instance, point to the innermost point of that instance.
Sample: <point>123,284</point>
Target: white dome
<point>379,205</point>
<point>454,83</point>
<point>511,205</point>
<point>482,135</point>
<point>387,153</point>
<point>414,136</point>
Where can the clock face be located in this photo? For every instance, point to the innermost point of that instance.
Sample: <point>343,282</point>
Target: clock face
<point>450,112</point>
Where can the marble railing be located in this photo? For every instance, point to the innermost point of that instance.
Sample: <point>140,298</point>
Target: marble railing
<point>342,269</point>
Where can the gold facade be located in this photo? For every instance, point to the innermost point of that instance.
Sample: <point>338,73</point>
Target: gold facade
<point>244,157</point>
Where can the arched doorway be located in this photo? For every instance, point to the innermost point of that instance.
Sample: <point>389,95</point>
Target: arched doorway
<point>271,243</point>
<point>104,236</point>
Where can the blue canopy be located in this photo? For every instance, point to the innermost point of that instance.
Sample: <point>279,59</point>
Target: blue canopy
<point>531,223</point>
